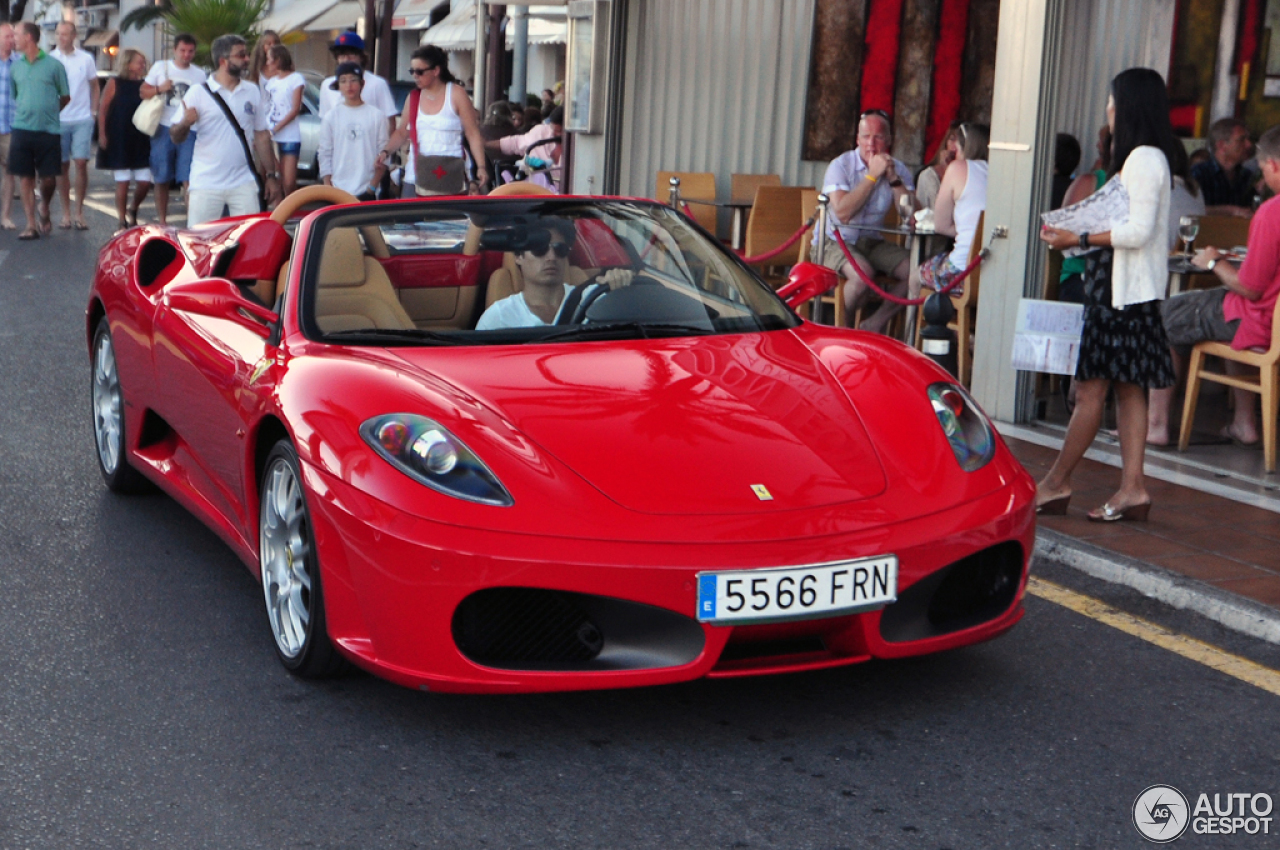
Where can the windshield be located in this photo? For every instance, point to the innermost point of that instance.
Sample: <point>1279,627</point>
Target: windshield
<point>526,270</point>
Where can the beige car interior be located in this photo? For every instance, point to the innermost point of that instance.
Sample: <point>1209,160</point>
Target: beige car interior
<point>353,291</point>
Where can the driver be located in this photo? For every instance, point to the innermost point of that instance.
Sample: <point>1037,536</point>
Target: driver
<point>544,267</point>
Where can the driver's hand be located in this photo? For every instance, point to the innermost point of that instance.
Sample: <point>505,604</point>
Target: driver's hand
<point>616,278</point>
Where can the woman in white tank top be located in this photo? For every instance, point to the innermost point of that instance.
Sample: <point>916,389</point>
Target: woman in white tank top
<point>443,118</point>
<point>961,199</point>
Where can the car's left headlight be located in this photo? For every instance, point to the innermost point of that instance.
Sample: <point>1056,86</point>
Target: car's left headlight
<point>967,430</point>
<point>424,450</point>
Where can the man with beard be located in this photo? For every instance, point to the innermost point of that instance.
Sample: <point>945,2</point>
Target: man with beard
<point>221,171</point>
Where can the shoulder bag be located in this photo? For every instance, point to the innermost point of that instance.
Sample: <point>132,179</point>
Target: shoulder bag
<point>148,114</point>
<point>439,175</point>
<point>244,143</point>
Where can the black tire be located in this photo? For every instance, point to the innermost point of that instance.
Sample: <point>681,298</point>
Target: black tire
<point>108,411</point>
<point>291,584</point>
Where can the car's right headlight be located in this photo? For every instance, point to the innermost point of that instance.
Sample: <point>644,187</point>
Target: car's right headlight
<point>424,450</point>
<point>966,429</point>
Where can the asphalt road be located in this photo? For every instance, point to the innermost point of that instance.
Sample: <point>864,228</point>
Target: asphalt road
<point>142,704</point>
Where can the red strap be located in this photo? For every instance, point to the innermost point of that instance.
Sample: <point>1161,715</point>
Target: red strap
<point>414,97</point>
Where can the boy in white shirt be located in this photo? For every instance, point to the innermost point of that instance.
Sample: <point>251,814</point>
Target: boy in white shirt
<point>351,135</point>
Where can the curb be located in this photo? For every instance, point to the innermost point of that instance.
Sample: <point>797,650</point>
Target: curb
<point>1234,612</point>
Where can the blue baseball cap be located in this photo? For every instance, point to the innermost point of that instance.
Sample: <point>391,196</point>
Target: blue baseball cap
<point>349,39</point>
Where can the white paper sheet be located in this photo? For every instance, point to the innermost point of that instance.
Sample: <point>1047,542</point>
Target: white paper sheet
<point>1047,336</point>
<point>1099,213</point>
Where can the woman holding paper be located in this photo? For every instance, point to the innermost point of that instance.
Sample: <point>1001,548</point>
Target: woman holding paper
<point>1123,344</point>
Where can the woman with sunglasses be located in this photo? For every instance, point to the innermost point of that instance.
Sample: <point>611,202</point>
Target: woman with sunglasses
<point>436,116</point>
<point>1123,344</point>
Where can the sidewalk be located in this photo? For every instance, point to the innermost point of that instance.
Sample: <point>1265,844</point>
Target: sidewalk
<point>1202,551</point>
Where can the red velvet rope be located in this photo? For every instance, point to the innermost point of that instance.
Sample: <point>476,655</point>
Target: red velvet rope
<point>781,249</point>
<point>907,301</point>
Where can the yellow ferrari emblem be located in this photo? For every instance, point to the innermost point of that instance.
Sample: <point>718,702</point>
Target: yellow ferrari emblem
<point>762,492</point>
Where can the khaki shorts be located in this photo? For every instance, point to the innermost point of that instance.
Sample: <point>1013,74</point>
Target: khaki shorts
<point>882,256</point>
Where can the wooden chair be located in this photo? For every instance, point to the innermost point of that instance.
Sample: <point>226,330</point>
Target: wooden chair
<point>693,185</point>
<point>742,187</point>
<point>966,307</point>
<point>1222,231</point>
<point>776,217</point>
<point>1265,384</point>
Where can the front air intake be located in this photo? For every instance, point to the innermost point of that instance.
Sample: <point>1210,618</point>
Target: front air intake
<point>968,593</point>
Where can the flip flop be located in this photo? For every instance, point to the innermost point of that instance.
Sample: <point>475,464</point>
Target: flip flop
<point>8,226</point>
<point>46,224</point>
<point>28,235</point>
<point>80,225</point>
<point>1226,434</point>
<point>66,226</point>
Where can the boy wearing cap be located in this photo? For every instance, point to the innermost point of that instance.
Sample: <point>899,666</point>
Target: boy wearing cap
<point>351,134</point>
<point>349,47</point>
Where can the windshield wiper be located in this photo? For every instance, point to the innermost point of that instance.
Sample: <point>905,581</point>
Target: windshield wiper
<point>391,336</point>
<point>618,330</point>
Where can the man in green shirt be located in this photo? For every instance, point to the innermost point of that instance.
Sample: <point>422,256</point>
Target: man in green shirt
<point>40,90</point>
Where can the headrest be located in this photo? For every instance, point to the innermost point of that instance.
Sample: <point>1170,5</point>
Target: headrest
<point>342,263</point>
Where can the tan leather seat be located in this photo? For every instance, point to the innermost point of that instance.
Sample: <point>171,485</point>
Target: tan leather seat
<point>354,291</point>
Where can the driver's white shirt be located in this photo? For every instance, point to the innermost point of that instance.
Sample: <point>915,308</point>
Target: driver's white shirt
<point>512,312</point>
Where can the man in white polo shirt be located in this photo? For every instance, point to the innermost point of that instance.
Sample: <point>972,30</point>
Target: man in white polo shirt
<point>221,173</point>
<point>172,78</point>
<point>77,122</point>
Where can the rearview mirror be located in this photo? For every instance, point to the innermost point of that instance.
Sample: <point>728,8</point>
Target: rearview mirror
<point>806,281</point>
<point>221,299</point>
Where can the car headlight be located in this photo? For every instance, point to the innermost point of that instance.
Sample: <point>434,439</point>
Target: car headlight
<point>967,430</point>
<point>425,451</point>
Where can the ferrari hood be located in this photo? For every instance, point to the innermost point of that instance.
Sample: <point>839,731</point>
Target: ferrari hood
<point>706,425</point>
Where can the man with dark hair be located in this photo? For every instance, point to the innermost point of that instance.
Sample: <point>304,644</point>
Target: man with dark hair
<point>221,172</point>
<point>1066,158</point>
<point>349,47</point>
<point>1239,311</point>
<point>1227,185</point>
<point>544,271</point>
<point>863,184</point>
<point>35,147</point>
<point>172,78</point>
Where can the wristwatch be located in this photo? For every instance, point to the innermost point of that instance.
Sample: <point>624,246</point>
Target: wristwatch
<point>1212,263</point>
<point>1084,241</point>
<point>271,175</point>
<point>895,183</point>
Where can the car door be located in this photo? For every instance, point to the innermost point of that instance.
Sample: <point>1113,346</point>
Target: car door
<point>213,379</point>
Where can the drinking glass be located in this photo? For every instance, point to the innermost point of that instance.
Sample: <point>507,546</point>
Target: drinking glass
<point>906,207</point>
<point>1188,229</point>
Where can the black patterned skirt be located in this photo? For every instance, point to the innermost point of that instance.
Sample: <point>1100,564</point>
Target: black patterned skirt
<point>1125,345</point>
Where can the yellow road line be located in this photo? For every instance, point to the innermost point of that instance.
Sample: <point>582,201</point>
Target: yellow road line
<point>1198,651</point>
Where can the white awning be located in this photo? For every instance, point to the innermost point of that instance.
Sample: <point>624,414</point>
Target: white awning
<point>547,25</point>
<point>341,16</point>
<point>457,31</point>
<point>414,14</point>
<point>296,15</point>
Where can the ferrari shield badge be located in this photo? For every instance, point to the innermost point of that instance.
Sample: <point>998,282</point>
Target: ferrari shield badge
<point>762,492</point>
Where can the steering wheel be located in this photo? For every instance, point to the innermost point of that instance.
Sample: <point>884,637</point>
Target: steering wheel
<point>319,193</point>
<point>592,293</point>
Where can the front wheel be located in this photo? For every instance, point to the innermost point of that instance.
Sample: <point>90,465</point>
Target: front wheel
<point>290,571</point>
<point>108,417</point>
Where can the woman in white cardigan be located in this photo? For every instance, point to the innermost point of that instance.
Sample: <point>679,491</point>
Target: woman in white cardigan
<point>1123,343</point>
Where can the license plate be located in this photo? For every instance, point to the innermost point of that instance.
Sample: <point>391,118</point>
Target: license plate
<point>753,596</point>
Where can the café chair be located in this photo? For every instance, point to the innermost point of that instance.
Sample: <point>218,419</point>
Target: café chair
<point>1223,232</point>
<point>774,221</point>
<point>1265,384</point>
<point>694,185</point>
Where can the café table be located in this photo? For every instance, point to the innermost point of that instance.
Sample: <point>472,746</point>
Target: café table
<point>1184,276</point>
<point>738,207</point>
<point>915,241</point>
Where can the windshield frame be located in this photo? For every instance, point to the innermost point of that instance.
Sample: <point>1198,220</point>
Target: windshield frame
<point>777,315</point>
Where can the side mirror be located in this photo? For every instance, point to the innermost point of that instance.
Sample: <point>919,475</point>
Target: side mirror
<point>806,281</point>
<point>221,299</point>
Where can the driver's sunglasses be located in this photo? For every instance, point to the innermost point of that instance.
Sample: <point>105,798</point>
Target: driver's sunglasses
<point>562,250</point>
<point>880,113</point>
<point>418,72</point>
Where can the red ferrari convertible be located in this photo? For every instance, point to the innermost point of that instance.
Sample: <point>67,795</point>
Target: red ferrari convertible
<point>530,442</point>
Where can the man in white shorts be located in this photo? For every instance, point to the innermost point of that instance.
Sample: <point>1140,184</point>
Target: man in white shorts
<point>221,173</point>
